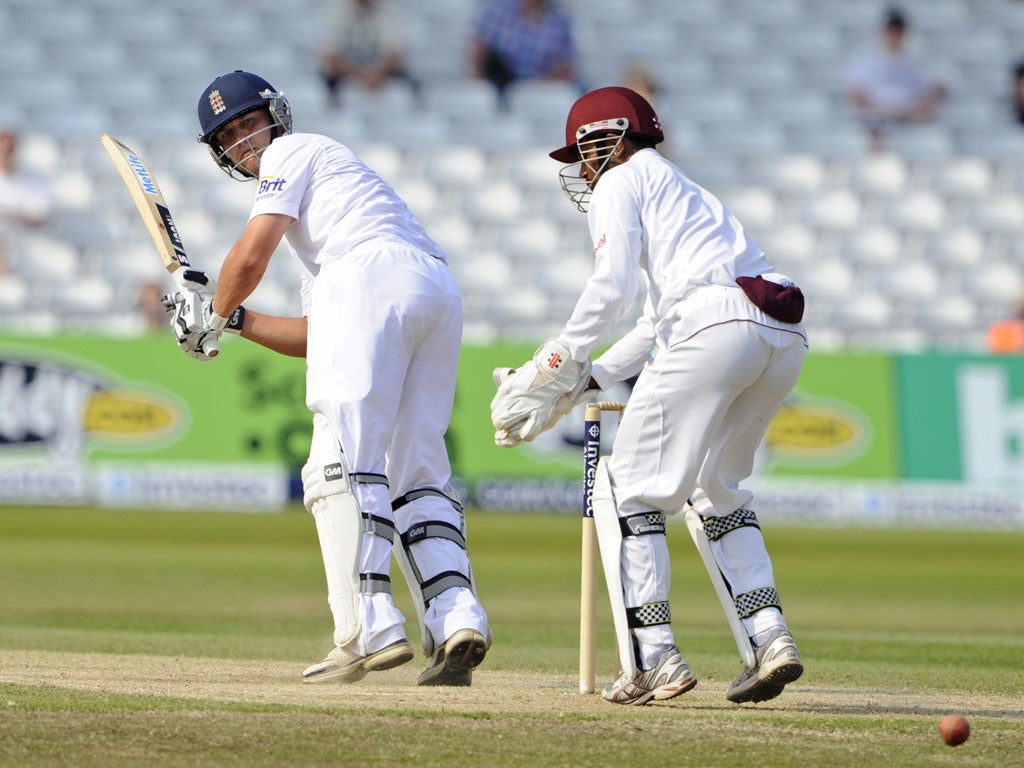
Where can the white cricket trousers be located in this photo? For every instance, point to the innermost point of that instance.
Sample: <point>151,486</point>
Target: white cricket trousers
<point>385,329</point>
<point>695,419</point>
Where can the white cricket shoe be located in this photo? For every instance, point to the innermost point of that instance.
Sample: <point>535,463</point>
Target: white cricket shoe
<point>343,666</point>
<point>778,663</point>
<point>454,662</point>
<point>669,678</point>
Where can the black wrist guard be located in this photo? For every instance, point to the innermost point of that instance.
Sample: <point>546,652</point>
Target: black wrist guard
<point>236,321</point>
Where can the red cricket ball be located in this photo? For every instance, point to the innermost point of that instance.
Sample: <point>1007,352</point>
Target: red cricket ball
<point>954,730</point>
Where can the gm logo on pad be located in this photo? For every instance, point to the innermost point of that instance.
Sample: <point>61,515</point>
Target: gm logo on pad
<point>334,472</point>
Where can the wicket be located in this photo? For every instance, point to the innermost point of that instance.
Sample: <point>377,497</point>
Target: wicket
<point>588,570</point>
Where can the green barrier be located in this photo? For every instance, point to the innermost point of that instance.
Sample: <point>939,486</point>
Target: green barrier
<point>962,417</point>
<point>106,409</point>
<point>112,398</point>
<point>134,421</point>
<point>839,421</point>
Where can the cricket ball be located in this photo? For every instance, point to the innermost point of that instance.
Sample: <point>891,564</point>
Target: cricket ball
<point>954,730</point>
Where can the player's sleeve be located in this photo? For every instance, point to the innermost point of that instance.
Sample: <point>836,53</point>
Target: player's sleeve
<point>285,172</point>
<point>610,292</point>
<point>629,354</point>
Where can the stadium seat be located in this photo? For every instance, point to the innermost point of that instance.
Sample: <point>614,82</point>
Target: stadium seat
<point>870,312</point>
<point>789,246</point>
<point>930,142</point>
<point>881,173</point>
<point>836,210</point>
<point>34,322</point>
<point>828,279</point>
<point>543,105</point>
<point>494,201</point>
<point>462,99</point>
<point>457,235</point>
<point>801,173</point>
<point>768,131</point>
<point>919,211</point>
<point>910,281</point>
<point>92,294</point>
<point>458,166</point>
<point>486,272</point>
<point>876,246</point>
<point>14,294</point>
<point>40,257</point>
<point>954,313</point>
<point>998,281</point>
<point>755,207</point>
<point>960,246</point>
<point>1000,212</point>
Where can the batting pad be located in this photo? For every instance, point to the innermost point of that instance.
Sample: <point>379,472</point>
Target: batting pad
<point>433,556</point>
<point>327,494</point>
<point>700,540</point>
<point>609,542</point>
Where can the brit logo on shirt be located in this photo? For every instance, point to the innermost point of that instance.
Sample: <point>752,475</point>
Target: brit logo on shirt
<point>270,185</point>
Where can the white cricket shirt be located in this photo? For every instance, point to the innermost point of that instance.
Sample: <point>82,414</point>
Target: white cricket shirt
<point>648,218</point>
<point>338,202</point>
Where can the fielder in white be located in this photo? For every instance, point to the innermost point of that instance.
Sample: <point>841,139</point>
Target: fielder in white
<point>381,332</point>
<point>719,346</point>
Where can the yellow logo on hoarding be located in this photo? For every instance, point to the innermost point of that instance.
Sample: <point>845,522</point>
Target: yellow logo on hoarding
<point>120,414</point>
<point>814,430</point>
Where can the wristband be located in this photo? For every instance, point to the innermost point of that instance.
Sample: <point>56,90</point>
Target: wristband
<point>229,324</point>
<point>235,321</point>
<point>216,322</point>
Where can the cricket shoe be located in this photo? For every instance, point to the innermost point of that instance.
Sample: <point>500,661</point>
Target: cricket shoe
<point>778,663</point>
<point>669,678</point>
<point>343,666</point>
<point>454,662</point>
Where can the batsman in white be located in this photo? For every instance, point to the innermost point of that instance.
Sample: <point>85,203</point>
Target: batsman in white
<point>381,333</point>
<point>718,347</point>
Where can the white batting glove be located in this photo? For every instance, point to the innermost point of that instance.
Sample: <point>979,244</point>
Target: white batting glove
<point>194,335</point>
<point>195,280</point>
<point>532,398</point>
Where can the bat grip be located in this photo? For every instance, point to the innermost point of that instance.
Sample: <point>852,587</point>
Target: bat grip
<point>211,348</point>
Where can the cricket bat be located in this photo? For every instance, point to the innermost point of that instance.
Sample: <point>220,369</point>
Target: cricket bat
<point>152,207</point>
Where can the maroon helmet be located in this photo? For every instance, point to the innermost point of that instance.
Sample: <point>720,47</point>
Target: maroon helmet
<point>613,109</point>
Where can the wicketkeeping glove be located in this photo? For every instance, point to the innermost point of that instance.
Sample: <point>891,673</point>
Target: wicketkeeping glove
<point>532,398</point>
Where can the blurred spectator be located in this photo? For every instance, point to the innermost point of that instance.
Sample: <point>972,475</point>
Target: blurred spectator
<point>24,198</point>
<point>1017,95</point>
<point>1006,337</point>
<point>637,76</point>
<point>152,314</point>
<point>523,40</point>
<point>886,86</point>
<point>364,44</point>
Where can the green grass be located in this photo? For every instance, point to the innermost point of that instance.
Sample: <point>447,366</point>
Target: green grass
<point>885,619</point>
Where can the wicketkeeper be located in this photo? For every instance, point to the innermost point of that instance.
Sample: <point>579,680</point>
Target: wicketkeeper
<point>380,331</point>
<point>719,346</point>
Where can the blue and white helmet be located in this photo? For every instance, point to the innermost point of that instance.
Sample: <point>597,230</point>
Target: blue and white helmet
<point>230,96</point>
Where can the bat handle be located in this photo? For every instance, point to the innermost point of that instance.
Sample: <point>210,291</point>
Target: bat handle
<point>211,348</point>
